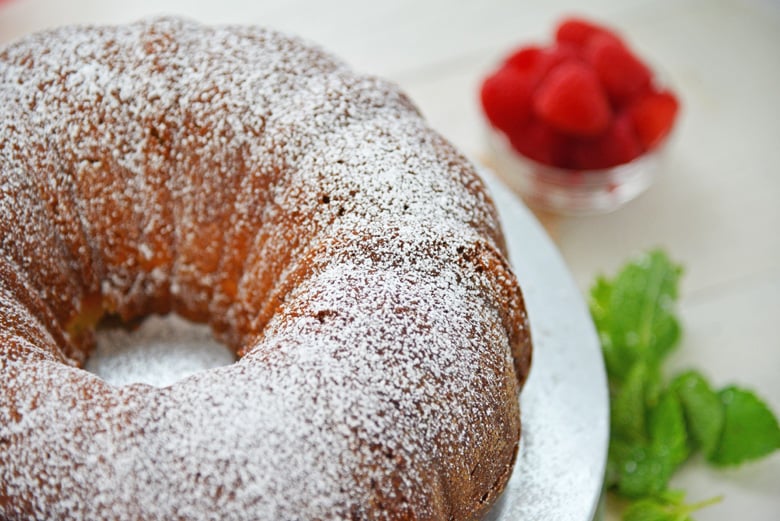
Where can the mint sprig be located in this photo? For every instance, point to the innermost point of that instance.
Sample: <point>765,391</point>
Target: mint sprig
<point>657,424</point>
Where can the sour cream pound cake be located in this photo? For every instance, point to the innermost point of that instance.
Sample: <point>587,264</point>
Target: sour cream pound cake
<point>345,251</point>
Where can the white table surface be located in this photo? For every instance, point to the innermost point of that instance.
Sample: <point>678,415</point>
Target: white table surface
<point>715,208</point>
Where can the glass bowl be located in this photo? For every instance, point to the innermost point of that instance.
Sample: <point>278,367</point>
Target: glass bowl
<point>574,192</point>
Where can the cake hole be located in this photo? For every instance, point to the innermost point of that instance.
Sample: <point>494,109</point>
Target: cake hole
<point>160,351</point>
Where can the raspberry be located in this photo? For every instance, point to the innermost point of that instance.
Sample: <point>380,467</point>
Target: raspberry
<point>653,116</point>
<point>558,55</point>
<point>540,142</point>
<point>578,31</point>
<point>526,59</point>
<point>621,73</point>
<point>506,98</point>
<point>536,62</point>
<point>571,100</point>
<point>616,146</point>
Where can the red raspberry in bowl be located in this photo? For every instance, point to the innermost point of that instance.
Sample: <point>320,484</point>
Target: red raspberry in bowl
<point>578,31</point>
<point>622,74</point>
<point>571,99</point>
<point>506,98</point>
<point>617,145</point>
<point>652,116</point>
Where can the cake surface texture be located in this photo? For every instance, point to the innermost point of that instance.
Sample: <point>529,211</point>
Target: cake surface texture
<point>344,250</point>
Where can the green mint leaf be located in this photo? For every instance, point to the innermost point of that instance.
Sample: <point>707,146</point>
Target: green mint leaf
<point>704,412</point>
<point>634,312</point>
<point>602,313</point>
<point>631,401</point>
<point>672,497</point>
<point>628,472</point>
<point>638,470</point>
<point>668,506</point>
<point>668,433</point>
<point>649,510</point>
<point>644,468</point>
<point>750,430</point>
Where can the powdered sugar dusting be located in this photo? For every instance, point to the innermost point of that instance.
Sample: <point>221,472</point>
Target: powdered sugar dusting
<point>305,213</point>
<point>160,352</point>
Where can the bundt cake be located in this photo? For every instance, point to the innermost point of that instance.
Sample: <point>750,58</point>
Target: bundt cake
<point>345,251</point>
